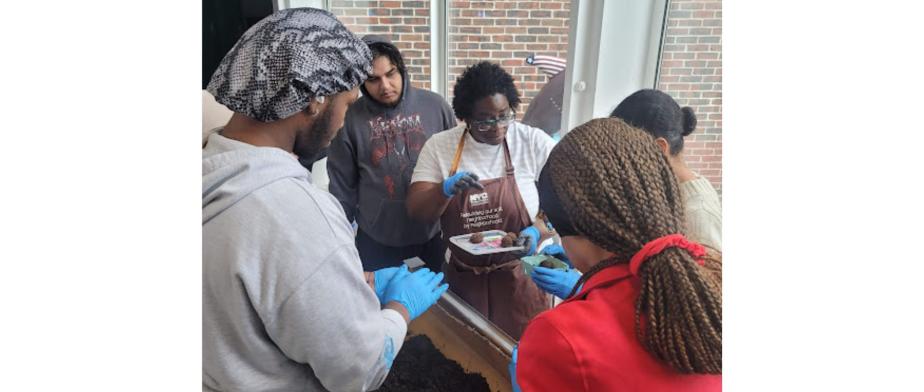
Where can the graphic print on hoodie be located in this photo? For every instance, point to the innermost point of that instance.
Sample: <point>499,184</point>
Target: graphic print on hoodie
<point>396,143</point>
<point>371,161</point>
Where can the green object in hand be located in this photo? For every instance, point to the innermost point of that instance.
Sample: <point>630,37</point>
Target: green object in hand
<point>530,262</point>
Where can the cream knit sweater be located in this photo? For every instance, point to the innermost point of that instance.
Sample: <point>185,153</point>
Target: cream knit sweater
<point>703,212</point>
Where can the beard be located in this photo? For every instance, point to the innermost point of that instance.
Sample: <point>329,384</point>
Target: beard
<point>308,162</point>
<point>310,144</point>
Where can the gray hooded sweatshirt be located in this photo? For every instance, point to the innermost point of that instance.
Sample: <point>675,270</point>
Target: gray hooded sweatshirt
<point>371,161</point>
<point>285,306</point>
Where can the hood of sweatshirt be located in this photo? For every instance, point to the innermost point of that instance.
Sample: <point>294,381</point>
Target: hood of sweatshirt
<point>374,105</point>
<point>231,170</point>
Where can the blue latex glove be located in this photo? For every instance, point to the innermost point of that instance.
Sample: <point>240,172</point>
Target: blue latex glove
<point>512,368</point>
<point>382,278</point>
<point>529,238</point>
<point>459,182</point>
<point>417,291</point>
<point>557,252</point>
<point>556,282</point>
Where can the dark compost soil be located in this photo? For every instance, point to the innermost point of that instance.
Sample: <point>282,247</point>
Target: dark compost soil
<point>419,366</point>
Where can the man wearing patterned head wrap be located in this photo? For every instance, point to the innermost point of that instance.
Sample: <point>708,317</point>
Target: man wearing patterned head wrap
<point>285,302</point>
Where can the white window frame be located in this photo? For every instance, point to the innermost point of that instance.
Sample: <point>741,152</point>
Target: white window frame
<point>285,4</point>
<point>439,41</point>
<point>608,61</point>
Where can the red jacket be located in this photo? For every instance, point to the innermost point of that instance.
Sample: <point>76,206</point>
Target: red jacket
<point>588,343</point>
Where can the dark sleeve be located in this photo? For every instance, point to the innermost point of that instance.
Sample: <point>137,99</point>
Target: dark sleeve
<point>343,171</point>
<point>449,118</point>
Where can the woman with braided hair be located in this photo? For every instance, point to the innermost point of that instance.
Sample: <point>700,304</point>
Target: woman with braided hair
<point>647,315</point>
<point>660,116</point>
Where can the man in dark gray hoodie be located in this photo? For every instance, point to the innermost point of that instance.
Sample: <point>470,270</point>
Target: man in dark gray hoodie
<point>371,161</point>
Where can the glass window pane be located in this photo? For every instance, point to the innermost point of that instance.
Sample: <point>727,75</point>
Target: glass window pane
<point>507,33</point>
<point>691,72</point>
<point>406,23</point>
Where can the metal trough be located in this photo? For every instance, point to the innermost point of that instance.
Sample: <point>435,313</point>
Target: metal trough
<point>463,335</point>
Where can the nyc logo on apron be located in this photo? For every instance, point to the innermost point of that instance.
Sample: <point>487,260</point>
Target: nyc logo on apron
<point>478,199</point>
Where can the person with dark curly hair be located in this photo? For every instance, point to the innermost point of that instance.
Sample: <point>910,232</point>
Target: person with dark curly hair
<point>647,315</point>
<point>480,176</point>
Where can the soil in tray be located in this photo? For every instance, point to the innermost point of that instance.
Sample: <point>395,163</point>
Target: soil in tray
<point>419,366</point>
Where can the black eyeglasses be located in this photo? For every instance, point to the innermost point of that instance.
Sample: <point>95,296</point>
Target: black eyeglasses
<point>487,125</point>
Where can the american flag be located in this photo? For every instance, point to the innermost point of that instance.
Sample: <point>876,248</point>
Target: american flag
<point>549,64</point>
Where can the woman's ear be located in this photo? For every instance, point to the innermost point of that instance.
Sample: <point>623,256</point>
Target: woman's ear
<point>664,146</point>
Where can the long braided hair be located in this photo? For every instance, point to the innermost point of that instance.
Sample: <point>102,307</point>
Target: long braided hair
<point>616,188</point>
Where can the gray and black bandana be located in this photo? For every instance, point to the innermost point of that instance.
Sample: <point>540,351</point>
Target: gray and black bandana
<point>285,60</point>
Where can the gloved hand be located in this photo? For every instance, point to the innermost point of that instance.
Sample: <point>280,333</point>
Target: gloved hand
<point>417,291</point>
<point>557,252</point>
<point>512,368</point>
<point>459,182</point>
<point>382,278</point>
<point>556,282</point>
<point>529,238</point>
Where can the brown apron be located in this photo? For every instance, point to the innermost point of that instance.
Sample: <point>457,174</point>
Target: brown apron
<point>494,284</point>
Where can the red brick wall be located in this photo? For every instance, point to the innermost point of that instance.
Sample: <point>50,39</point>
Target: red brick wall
<point>406,23</point>
<point>691,72</point>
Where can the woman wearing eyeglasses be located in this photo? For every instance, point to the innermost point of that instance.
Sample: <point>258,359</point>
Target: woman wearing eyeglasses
<point>479,176</point>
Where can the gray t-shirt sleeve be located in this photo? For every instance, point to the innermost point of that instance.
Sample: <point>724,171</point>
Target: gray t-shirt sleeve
<point>333,323</point>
